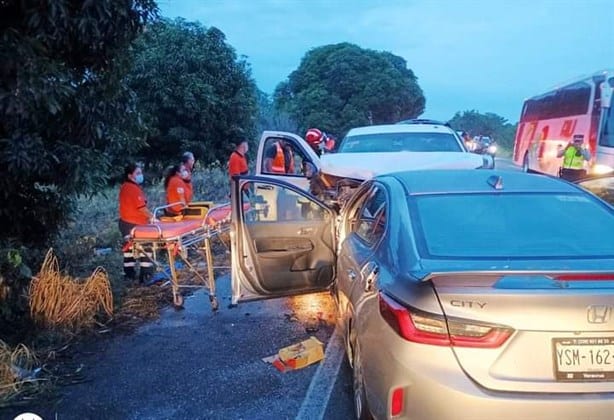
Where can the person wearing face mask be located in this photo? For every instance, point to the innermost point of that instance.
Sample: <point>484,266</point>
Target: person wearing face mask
<point>133,211</point>
<point>175,185</point>
<point>187,164</point>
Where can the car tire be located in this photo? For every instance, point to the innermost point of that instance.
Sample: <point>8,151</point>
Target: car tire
<point>525,163</point>
<point>361,407</point>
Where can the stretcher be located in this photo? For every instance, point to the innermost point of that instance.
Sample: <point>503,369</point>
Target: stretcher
<point>184,238</point>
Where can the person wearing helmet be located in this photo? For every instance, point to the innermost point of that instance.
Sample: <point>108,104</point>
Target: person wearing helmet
<point>314,138</point>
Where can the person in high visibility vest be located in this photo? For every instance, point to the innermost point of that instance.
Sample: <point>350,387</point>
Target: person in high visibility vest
<point>279,158</point>
<point>574,157</point>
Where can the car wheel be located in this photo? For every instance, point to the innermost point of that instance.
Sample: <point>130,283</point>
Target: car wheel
<point>525,163</point>
<point>361,408</point>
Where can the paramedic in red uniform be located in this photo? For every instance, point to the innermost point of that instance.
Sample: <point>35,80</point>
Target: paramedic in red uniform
<point>133,211</point>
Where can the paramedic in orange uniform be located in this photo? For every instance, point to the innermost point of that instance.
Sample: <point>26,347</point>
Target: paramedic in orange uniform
<point>133,211</point>
<point>278,158</point>
<point>187,163</point>
<point>237,164</point>
<point>177,191</point>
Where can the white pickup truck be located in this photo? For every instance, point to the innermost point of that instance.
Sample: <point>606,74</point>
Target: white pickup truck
<point>366,152</point>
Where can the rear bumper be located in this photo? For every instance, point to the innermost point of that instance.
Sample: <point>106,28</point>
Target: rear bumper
<point>436,388</point>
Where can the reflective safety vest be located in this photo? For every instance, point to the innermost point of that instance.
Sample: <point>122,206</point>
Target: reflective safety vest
<point>278,165</point>
<point>571,160</point>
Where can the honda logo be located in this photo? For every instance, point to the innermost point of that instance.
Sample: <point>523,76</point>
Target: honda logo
<point>598,314</point>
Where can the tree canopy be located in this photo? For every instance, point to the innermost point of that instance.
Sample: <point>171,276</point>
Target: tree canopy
<point>66,114</point>
<point>193,91</point>
<point>337,87</point>
<point>487,124</point>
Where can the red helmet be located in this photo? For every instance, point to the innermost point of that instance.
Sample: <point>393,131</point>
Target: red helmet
<point>314,137</point>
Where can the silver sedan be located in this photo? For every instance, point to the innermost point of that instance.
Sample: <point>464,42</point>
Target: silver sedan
<point>464,294</point>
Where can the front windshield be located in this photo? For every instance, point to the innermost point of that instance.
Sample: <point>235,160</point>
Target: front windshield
<point>513,226</point>
<point>400,142</point>
<point>607,125</point>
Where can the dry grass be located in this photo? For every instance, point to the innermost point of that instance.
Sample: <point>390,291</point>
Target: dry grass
<point>12,362</point>
<point>60,301</point>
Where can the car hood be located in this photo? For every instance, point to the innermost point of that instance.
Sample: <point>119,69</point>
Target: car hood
<point>368,165</point>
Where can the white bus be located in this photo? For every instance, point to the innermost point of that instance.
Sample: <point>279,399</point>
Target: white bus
<point>551,119</point>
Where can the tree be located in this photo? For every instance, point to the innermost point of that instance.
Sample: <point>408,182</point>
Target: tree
<point>66,115</point>
<point>337,87</point>
<point>194,92</point>
<point>271,118</point>
<point>488,124</point>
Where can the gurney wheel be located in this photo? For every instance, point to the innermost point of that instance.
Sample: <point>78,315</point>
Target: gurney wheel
<point>214,303</point>
<point>178,300</point>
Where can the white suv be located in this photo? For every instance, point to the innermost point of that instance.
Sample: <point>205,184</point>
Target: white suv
<point>372,150</point>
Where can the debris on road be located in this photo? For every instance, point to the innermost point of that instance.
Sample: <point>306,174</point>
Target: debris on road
<point>297,356</point>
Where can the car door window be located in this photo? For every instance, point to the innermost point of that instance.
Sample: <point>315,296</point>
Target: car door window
<point>294,160</point>
<point>370,221</point>
<point>273,203</point>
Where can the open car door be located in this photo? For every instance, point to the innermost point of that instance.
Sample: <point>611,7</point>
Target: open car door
<point>282,240</point>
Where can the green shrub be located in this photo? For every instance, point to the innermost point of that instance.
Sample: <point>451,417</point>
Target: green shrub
<point>15,275</point>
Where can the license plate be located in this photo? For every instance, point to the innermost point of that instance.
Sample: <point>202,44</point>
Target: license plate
<point>583,359</point>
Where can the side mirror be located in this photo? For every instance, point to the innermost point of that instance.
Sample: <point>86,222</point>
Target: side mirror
<point>606,94</point>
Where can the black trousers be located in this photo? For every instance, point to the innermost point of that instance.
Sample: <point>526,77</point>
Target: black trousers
<point>145,259</point>
<point>572,174</point>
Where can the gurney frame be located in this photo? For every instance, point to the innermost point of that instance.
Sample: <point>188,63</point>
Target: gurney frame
<point>180,236</point>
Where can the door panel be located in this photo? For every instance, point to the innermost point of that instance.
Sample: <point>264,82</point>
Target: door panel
<point>284,241</point>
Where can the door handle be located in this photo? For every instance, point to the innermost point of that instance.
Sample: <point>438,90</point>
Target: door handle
<point>305,231</point>
<point>351,274</point>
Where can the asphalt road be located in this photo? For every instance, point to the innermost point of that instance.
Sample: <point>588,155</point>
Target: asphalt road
<point>506,164</point>
<point>201,365</point>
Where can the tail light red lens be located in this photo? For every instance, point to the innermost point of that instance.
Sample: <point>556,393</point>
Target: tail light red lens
<point>426,328</point>
<point>396,402</point>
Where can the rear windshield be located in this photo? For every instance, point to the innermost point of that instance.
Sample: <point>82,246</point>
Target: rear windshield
<point>513,226</point>
<point>398,142</point>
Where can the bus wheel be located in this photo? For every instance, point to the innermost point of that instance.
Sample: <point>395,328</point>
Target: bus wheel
<point>525,163</point>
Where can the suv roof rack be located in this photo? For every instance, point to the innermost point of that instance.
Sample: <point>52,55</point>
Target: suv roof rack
<point>423,121</point>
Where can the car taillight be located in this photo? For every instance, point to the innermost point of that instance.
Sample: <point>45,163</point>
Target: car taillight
<point>426,328</point>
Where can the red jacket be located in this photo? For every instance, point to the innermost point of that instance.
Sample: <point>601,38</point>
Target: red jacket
<point>132,200</point>
<point>237,164</point>
<point>177,191</point>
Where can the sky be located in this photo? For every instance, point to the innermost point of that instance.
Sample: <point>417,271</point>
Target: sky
<point>483,55</point>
